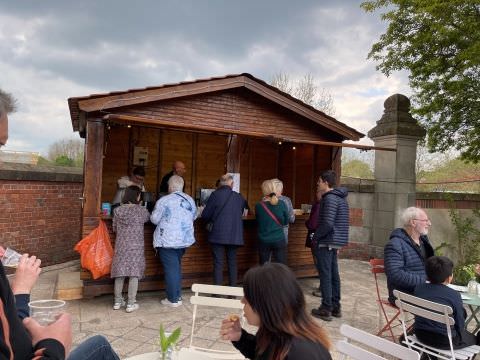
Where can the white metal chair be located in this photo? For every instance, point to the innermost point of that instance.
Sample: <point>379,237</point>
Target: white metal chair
<point>436,312</point>
<point>203,297</point>
<point>347,349</point>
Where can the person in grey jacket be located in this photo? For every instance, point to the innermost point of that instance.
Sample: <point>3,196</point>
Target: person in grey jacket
<point>331,234</point>
<point>406,252</point>
<point>278,185</point>
<point>225,209</point>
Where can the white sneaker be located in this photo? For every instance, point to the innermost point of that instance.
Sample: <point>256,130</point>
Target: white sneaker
<point>171,304</point>
<point>132,307</point>
<point>118,305</point>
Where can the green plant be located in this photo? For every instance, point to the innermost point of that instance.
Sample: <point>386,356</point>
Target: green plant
<point>168,342</point>
<point>463,274</point>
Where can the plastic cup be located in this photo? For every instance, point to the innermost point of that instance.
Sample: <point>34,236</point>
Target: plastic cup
<point>46,312</point>
<point>11,258</point>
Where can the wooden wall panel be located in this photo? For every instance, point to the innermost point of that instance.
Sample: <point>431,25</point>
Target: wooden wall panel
<point>115,162</point>
<point>286,169</point>
<point>177,145</point>
<point>211,159</point>
<point>304,179</point>
<point>245,165</point>
<point>150,139</point>
<point>264,166</point>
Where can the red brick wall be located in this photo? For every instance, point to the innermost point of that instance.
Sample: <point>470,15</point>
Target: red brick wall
<point>41,218</point>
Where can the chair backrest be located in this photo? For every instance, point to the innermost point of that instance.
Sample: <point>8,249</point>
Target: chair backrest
<point>426,309</point>
<point>356,352</point>
<point>203,297</point>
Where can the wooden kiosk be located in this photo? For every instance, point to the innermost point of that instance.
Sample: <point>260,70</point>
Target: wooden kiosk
<point>235,123</point>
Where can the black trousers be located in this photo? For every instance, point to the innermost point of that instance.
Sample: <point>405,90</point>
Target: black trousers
<point>440,341</point>
<point>277,251</point>
<point>218,251</point>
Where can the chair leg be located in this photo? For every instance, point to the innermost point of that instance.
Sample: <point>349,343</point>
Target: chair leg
<point>388,326</point>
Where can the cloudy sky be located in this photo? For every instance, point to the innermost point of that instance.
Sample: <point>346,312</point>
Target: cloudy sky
<point>52,50</point>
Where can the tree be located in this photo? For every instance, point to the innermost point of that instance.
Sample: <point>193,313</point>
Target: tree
<point>438,43</point>
<point>64,160</point>
<point>67,148</point>
<point>305,89</point>
<point>357,168</point>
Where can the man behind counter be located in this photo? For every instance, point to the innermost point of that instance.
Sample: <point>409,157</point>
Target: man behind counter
<point>178,168</point>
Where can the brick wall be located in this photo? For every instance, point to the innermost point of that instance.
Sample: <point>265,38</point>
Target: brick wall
<point>40,211</point>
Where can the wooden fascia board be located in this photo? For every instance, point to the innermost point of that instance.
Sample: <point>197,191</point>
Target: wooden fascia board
<point>299,109</point>
<point>157,122</point>
<point>171,92</point>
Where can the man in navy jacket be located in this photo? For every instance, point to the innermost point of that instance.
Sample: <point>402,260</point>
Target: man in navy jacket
<point>330,235</point>
<point>225,209</point>
<point>406,252</point>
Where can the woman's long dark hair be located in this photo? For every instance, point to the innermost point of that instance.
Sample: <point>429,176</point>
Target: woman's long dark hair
<point>131,195</point>
<point>274,293</point>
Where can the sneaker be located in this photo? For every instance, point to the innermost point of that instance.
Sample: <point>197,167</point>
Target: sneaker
<point>171,304</point>
<point>337,312</point>
<point>317,293</point>
<point>322,313</point>
<point>132,307</point>
<point>118,305</point>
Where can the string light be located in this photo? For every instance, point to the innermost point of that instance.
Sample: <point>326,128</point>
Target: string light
<point>279,143</point>
<point>294,148</point>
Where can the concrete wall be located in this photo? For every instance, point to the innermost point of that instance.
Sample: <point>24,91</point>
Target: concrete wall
<point>40,210</point>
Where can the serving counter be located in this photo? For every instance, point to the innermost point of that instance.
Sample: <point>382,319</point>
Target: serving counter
<point>197,263</point>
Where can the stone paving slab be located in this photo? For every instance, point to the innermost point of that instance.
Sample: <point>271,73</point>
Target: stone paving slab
<point>135,333</point>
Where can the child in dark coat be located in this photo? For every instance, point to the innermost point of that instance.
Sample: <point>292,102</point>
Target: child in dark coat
<point>439,270</point>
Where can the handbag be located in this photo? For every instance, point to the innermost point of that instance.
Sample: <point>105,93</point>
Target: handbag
<point>209,225</point>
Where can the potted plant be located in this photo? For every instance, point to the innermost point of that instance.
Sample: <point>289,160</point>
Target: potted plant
<point>167,342</point>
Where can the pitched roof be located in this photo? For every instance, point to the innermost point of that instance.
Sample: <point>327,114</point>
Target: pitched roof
<point>99,102</point>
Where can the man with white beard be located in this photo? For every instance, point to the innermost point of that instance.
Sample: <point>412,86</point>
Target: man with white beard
<point>406,252</point>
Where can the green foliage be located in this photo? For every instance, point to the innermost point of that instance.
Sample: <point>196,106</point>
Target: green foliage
<point>357,168</point>
<point>451,171</point>
<point>43,161</point>
<point>167,342</point>
<point>438,43</point>
<point>463,274</point>
<point>64,160</point>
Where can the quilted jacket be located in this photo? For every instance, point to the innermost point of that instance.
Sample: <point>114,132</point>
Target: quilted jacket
<point>404,265</point>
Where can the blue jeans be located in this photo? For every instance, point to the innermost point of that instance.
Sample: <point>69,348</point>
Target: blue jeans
<point>172,267</point>
<point>327,266</point>
<point>218,251</point>
<point>96,347</point>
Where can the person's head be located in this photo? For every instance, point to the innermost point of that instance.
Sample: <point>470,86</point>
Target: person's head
<point>275,303</point>
<point>175,183</point>
<point>7,106</point>
<point>439,269</point>
<point>327,180</point>
<point>415,221</point>
<point>268,191</point>
<point>179,168</point>
<point>138,175</point>
<point>318,194</point>
<point>278,186</point>
<point>226,179</point>
<point>132,195</point>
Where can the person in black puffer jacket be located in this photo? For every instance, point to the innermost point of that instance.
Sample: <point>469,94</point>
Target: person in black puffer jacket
<point>406,252</point>
<point>330,235</point>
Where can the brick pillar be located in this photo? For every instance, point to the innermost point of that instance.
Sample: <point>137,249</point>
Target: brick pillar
<point>394,171</point>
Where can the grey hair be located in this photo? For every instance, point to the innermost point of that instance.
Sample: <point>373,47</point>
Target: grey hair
<point>225,179</point>
<point>278,185</point>
<point>175,183</point>
<point>409,214</point>
<point>8,103</point>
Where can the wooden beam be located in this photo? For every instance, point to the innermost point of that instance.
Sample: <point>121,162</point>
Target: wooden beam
<point>153,122</point>
<point>93,167</point>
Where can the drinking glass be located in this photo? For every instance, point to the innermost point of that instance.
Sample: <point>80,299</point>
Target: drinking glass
<point>46,312</point>
<point>11,258</point>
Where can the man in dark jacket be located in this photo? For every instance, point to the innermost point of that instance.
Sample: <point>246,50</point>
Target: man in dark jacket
<point>406,252</point>
<point>330,235</point>
<point>225,209</point>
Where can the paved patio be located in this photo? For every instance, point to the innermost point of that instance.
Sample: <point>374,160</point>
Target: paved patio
<point>137,332</point>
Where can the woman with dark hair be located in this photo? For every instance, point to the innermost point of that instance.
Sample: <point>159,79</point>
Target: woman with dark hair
<point>275,303</point>
<point>129,258</point>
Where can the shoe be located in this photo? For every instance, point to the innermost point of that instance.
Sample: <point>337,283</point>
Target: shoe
<point>317,293</point>
<point>171,304</point>
<point>132,307</point>
<point>337,312</point>
<point>118,305</point>
<point>322,313</point>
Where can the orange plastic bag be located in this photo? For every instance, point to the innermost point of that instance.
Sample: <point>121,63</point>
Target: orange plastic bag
<point>96,252</point>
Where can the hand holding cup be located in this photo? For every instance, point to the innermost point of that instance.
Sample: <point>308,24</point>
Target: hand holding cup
<point>231,329</point>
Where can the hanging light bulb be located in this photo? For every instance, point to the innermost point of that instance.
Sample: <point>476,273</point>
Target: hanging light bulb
<point>294,148</point>
<point>129,126</point>
<point>279,143</point>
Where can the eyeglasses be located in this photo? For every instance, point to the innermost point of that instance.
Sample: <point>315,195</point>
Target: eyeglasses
<point>425,220</point>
